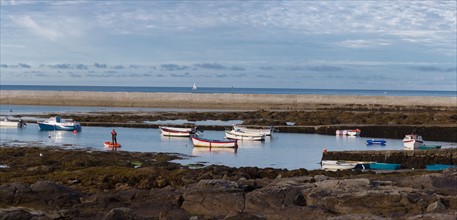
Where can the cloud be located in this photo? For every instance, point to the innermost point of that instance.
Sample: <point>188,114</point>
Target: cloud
<point>237,68</point>
<point>266,76</point>
<point>118,67</point>
<point>61,66</point>
<point>37,29</point>
<point>267,68</point>
<point>75,75</point>
<point>186,74</point>
<point>172,67</point>
<point>212,66</point>
<point>23,65</point>
<point>99,65</point>
<point>325,68</point>
<point>81,66</point>
<point>433,69</point>
<point>363,43</point>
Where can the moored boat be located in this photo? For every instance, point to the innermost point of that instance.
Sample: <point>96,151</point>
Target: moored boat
<point>439,166</point>
<point>176,131</point>
<point>429,147</point>
<point>57,123</point>
<point>240,135</point>
<point>202,142</point>
<point>267,131</point>
<point>354,132</point>
<point>376,141</point>
<point>385,166</point>
<point>412,141</point>
<point>334,165</point>
<point>111,145</point>
<point>12,124</point>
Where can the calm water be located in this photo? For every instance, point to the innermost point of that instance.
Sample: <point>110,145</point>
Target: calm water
<point>234,90</point>
<point>282,150</point>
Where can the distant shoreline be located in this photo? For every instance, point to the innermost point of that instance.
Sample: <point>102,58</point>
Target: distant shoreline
<point>216,100</point>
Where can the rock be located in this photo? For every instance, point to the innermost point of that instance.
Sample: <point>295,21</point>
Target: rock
<point>436,206</point>
<point>15,214</point>
<point>434,216</point>
<point>121,214</point>
<point>56,195</point>
<point>215,198</point>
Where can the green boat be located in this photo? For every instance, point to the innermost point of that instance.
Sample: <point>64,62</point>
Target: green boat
<point>385,166</point>
<point>429,147</point>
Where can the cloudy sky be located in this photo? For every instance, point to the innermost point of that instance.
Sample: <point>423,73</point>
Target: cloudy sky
<point>270,44</point>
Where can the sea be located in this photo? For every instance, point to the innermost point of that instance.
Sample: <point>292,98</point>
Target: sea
<point>282,150</point>
<point>234,90</point>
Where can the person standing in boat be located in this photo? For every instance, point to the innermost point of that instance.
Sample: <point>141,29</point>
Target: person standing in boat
<point>113,137</point>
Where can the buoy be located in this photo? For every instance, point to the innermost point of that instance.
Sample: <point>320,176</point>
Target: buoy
<point>75,131</point>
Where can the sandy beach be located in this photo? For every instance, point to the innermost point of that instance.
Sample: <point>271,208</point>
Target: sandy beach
<point>215,101</point>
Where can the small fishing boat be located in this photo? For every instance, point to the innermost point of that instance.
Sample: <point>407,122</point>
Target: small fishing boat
<point>111,145</point>
<point>376,141</point>
<point>177,132</point>
<point>267,131</point>
<point>334,165</point>
<point>429,147</point>
<point>439,166</point>
<point>385,166</point>
<point>12,124</point>
<point>57,123</point>
<point>354,132</point>
<point>412,141</point>
<point>241,135</point>
<point>201,142</point>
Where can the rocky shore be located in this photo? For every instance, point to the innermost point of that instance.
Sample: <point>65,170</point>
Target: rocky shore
<point>50,183</point>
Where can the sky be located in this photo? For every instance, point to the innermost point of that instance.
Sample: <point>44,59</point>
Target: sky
<point>404,45</point>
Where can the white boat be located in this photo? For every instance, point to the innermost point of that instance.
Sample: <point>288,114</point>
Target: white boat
<point>412,141</point>
<point>201,142</point>
<point>194,87</point>
<point>176,131</point>
<point>354,132</point>
<point>57,123</point>
<point>12,124</point>
<point>240,135</point>
<point>334,165</point>
<point>267,131</point>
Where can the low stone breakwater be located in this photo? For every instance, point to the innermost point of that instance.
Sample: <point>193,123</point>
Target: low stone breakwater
<point>416,159</point>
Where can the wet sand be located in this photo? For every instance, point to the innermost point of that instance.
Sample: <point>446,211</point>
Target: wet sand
<point>215,101</point>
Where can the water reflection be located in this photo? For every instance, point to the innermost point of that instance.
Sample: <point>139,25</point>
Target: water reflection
<point>202,151</point>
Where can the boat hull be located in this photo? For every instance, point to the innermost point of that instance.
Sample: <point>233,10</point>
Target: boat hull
<point>111,145</point>
<point>379,142</point>
<point>334,165</point>
<point>244,136</point>
<point>385,166</point>
<point>59,127</point>
<point>176,132</point>
<point>439,166</point>
<point>11,124</point>
<point>199,142</point>
<point>266,132</point>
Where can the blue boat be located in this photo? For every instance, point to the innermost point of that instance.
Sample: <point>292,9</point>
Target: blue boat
<point>429,147</point>
<point>385,166</point>
<point>56,123</point>
<point>439,166</point>
<point>376,141</point>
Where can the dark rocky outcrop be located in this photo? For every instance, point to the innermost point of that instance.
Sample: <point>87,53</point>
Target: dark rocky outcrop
<point>114,189</point>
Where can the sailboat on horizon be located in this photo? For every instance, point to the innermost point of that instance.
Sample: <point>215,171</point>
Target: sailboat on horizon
<point>194,87</point>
